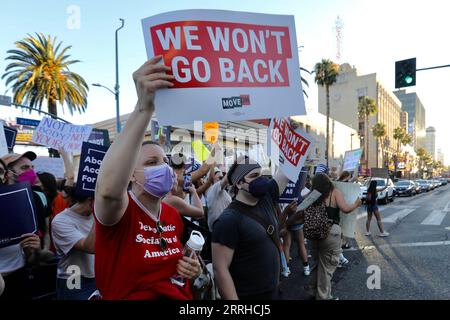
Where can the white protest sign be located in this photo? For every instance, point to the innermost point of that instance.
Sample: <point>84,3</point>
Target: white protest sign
<point>258,154</point>
<point>54,166</point>
<point>348,220</point>
<point>309,200</point>
<point>351,159</point>
<point>60,135</point>
<point>227,65</point>
<point>288,148</point>
<point>3,143</point>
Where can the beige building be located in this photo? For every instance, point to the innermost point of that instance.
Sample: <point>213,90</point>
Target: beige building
<point>430,141</point>
<point>344,98</point>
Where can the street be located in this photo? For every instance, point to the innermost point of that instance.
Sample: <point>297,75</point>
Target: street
<point>413,261</point>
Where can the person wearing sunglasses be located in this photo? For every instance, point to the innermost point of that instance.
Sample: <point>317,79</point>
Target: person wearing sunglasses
<point>137,246</point>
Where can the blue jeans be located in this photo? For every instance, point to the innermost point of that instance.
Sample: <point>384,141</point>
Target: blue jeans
<point>284,266</point>
<point>87,287</point>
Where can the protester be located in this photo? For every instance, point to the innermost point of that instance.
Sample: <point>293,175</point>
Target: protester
<point>137,246</point>
<point>246,256</point>
<point>194,210</point>
<point>325,234</point>
<point>21,169</point>
<point>2,284</point>
<point>217,197</point>
<point>73,233</point>
<point>62,199</point>
<point>345,176</point>
<point>3,170</point>
<point>372,208</point>
<point>295,229</point>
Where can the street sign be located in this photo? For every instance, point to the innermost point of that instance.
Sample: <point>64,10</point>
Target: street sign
<point>27,122</point>
<point>5,101</point>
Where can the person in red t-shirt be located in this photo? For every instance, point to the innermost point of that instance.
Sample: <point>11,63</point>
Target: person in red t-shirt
<point>137,247</point>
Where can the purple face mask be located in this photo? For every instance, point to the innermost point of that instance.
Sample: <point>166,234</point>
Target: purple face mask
<point>29,176</point>
<point>159,180</point>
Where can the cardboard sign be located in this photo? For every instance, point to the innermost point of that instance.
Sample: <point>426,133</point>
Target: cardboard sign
<point>90,160</point>
<point>54,166</point>
<point>60,135</point>
<point>350,192</point>
<point>100,137</point>
<point>351,159</point>
<point>18,214</point>
<point>10,135</point>
<point>379,173</point>
<point>211,130</point>
<point>3,143</point>
<point>157,130</point>
<point>221,61</point>
<point>293,189</point>
<point>288,148</point>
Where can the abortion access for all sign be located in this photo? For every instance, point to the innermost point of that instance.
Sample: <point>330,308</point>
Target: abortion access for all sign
<point>288,147</point>
<point>227,65</point>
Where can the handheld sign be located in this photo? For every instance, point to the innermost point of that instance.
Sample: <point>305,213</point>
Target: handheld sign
<point>10,135</point>
<point>380,173</point>
<point>90,160</point>
<point>293,189</point>
<point>54,166</point>
<point>100,137</point>
<point>351,192</point>
<point>60,135</point>
<point>351,159</point>
<point>227,65</point>
<point>289,148</point>
<point>3,143</point>
<point>17,214</point>
<point>309,200</point>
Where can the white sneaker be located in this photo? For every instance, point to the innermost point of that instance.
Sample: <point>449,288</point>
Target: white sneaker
<point>342,261</point>
<point>286,273</point>
<point>367,234</point>
<point>306,271</point>
<point>384,234</point>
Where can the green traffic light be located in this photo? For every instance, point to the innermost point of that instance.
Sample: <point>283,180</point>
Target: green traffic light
<point>408,79</point>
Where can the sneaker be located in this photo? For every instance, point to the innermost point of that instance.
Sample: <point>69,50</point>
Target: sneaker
<point>333,298</point>
<point>367,234</point>
<point>384,234</point>
<point>306,270</point>
<point>342,261</point>
<point>286,273</point>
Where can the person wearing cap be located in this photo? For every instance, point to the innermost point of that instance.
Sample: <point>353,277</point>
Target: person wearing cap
<point>246,256</point>
<point>13,259</point>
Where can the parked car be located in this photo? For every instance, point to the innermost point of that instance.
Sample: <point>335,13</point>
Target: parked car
<point>418,189</point>
<point>405,188</point>
<point>437,183</point>
<point>443,181</point>
<point>425,186</point>
<point>433,184</point>
<point>383,196</point>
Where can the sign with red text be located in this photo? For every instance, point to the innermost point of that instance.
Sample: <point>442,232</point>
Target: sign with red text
<point>227,65</point>
<point>288,147</point>
<point>61,135</point>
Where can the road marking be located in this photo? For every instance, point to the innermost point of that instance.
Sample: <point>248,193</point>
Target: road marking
<point>434,218</point>
<point>447,207</point>
<point>393,218</point>
<point>402,245</point>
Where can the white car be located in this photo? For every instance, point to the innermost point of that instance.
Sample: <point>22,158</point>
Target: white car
<point>383,196</point>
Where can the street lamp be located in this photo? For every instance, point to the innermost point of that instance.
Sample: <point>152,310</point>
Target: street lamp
<point>116,87</point>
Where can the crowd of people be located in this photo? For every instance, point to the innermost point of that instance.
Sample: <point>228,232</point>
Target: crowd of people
<point>127,242</point>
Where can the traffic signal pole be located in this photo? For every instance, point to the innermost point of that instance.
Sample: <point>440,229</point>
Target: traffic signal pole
<point>438,67</point>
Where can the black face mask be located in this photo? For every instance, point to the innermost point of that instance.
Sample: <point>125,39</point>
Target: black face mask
<point>259,187</point>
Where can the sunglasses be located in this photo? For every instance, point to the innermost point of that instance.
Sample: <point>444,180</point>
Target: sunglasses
<point>162,241</point>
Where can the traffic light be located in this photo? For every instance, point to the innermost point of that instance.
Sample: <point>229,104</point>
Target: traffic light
<point>405,73</point>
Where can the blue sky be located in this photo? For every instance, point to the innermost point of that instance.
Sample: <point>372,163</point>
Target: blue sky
<point>375,35</point>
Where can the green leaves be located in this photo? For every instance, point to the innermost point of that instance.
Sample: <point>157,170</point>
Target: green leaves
<point>39,72</point>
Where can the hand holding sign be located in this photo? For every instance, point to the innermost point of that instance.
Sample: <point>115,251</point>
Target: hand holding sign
<point>150,77</point>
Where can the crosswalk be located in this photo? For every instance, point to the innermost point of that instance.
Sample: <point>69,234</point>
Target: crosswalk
<point>396,213</point>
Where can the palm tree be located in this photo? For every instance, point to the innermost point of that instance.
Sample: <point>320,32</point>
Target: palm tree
<point>326,75</point>
<point>423,156</point>
<point>304,81</point>
<point>367,107</point>
<point>40,71</point>
<point>379,131</point>
<point>399,135</point>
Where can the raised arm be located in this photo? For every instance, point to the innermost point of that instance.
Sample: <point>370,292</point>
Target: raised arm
<point>118,165</point>
<point>69,173</point>
<point>343,205</point>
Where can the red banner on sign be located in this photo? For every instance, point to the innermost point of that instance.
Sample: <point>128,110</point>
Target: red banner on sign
<point>223,54</point>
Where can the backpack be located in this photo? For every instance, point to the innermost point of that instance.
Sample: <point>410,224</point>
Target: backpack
<point>317,225</point>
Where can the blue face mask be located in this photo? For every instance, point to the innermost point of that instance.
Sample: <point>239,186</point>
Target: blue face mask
<point>259,187</point>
